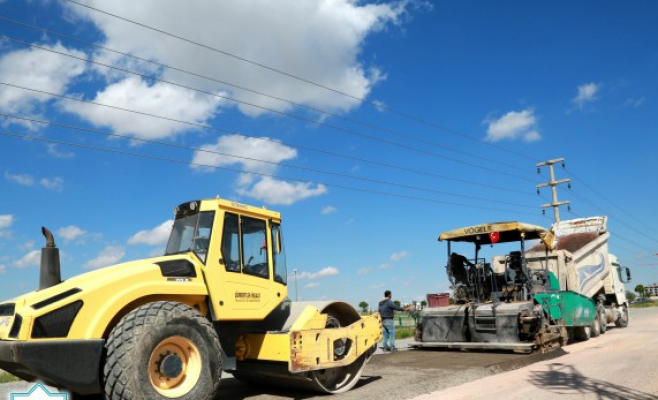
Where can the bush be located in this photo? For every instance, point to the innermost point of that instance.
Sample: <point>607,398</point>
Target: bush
<point>6,377</point>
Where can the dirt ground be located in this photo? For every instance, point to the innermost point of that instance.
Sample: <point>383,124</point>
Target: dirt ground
<point>430,374</point>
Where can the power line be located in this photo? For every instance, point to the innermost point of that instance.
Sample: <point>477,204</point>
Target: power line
<point>643,234</point>
<point>370,180</point>
<point>152,157</point>
<point>226,131</point>
<point>335,127</point>
<point>260,93</point>
<point>308,81</point>
<point>620,237</point>
<point>599,194</point>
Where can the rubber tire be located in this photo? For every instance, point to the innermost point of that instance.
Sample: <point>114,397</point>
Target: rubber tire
<point>584,333</point>
<point>131,342</point>
<point>604,320</point>
<point>622,322</point>
<point>595,328</point>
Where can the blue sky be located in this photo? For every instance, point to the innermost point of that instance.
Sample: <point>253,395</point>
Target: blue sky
<point>459,101</point>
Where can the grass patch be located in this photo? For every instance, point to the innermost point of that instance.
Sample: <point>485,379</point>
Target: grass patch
<point>404,332</point>
<point>645,304</point>
<point>6,377</point>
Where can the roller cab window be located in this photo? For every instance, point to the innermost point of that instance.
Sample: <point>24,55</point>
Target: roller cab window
<point>254,247</point>
<point>244,245</point>
<point>191,232</point>
<point>279,253</point>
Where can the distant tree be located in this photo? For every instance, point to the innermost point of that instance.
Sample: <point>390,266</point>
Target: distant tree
<point>640,290</point>
<point>630,296</point>
<point>364,306</point>
<point>397,302</point>
<point>423,303</point>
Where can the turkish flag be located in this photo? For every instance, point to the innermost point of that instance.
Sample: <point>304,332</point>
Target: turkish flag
<point>494,236</point>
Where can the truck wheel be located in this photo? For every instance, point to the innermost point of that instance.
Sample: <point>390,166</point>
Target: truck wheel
<point>604,320</point>
<point>622,321</point>
<point>583,333</point>
<point>595,328</point>
<point>162,350</point>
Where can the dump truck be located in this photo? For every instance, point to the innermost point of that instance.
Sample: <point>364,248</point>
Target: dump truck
<point>582,263</point>
<point>167,327</point>
<point>502,304</point>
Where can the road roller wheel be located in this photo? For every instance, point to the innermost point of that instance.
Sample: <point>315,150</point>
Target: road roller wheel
<point>162,350</point>
<point>341,379</point>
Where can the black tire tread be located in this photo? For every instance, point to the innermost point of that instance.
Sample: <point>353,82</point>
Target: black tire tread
<point>121,343</point>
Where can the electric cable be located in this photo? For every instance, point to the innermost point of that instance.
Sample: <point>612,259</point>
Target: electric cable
<point>234,156</point>
<point>260,93</point>
<point>226,131</point>
<point>152,157</point>
<point>307,81</point>
<point>331,126</point>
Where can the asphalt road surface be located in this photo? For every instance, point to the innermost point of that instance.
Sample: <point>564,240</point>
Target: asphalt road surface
<point>621,364</point>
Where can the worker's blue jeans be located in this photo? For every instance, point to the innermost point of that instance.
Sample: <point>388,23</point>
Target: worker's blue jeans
<point>388,331</point>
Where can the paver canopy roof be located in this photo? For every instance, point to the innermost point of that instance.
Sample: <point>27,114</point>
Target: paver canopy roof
<point>499,232</point>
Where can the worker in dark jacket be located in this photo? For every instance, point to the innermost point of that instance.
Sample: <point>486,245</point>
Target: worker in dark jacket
<point>387,310</point>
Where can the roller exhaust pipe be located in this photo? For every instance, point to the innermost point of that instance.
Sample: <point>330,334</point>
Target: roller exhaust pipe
<point>50,274</point>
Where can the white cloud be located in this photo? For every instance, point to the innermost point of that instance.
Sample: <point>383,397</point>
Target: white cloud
<point>274,191</point>
<point>27,180</point>
<point>512,126</point>
<point>386,266</point>
<point>3,269</point>
<point>635,103</point>
<point>323,41</point>
<point>159,99</point>
<point>329,210</point>
<point>312,285</point>
<point>379,105</point>
<point>34,68</point>
<point>378,286</point>
<point>6,221</point>
<point>267,189</point>
<point>33,258</point>
<point>27,246</point>
<point>246,151</point>
<point>364,271</point>
<point>586,94</point>
<point>70,232</point>
<point>55,184</point>
<point>154,237</point>
<point>54,151</point>
<point>323,273</point>
<point>531,136</point>
<point>21,179</point>
<point>399,256</point>
<point>108,256</point>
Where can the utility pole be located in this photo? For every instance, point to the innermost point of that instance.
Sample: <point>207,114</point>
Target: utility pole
<point>553,184</point>
<point>296,297</point>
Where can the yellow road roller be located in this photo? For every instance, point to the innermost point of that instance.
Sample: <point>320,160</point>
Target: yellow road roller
<point>166,327</point>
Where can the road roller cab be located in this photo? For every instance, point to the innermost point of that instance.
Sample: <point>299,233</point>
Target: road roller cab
<point>167,327</point>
